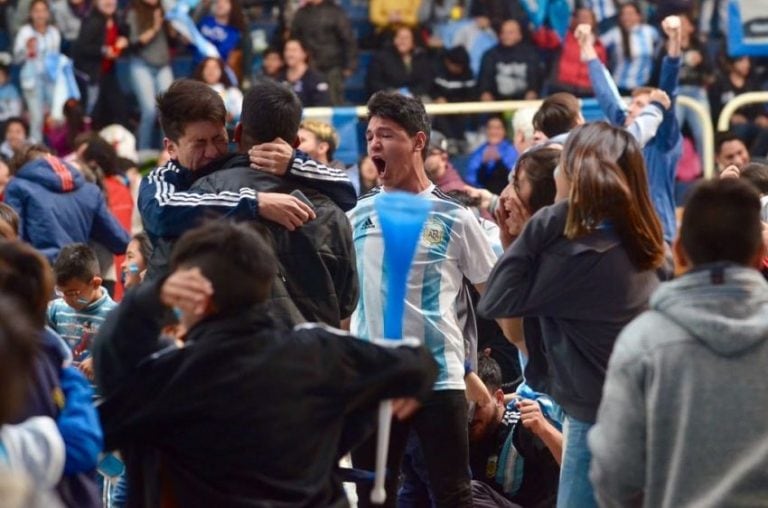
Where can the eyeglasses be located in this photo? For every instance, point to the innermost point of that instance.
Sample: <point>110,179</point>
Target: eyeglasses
<point>72,293</point>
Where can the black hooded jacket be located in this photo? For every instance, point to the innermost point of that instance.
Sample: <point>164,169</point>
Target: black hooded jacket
<point>317,261</point>
<point>244,415</point>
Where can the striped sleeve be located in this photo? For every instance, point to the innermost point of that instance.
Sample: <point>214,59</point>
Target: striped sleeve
<point>169,207</point>
<point>332,182</point>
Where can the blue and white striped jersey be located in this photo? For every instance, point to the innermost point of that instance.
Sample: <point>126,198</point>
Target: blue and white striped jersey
<point>454,249</point>
<point>79,327</point>
<point>603,9</point>
<point>632,71</point>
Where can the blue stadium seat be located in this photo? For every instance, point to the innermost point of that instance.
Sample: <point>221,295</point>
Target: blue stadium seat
<point>354,86</point>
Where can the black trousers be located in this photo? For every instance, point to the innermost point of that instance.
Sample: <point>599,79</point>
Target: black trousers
<point>441,425</point>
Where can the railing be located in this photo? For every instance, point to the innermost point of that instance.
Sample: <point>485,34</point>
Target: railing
<point>708,161</point>
<point>724,120</point>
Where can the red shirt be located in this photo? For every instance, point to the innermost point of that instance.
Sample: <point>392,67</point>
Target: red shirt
<point>570,68</point>
<point>111,38</point>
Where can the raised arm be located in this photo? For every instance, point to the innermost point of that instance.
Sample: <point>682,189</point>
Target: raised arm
<point>169,208</point>
<point>669,131</point>
<point>279,158</point>
<point>605,89</point>
<point>646,125</point>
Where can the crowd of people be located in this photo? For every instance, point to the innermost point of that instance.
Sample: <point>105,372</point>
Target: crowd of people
<point>439,51</point>
<point>211,333</point>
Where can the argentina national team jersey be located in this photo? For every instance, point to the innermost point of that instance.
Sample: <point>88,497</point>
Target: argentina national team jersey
<point>636,71</point>
<point>453,249</point>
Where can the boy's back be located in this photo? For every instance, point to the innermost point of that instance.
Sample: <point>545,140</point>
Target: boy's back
<point>245,415</point>
<point>682,419</point>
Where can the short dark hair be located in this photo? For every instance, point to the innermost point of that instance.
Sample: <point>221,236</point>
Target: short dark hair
<point>18,349</point>
<point>102,153</point>
<point>9,216</point>
<point>724,137</point>
<point>756,174</point>
<point>407,112</point>
<point>188,101</point>
<point>18,120</point>
<point>236,259</point>
<point>539,165</point>
<point>76,261</point>
<point>721,222</point>
<point>489,372</point>
<point>26,275</point>
<point>558,114</point>
<point>270,110</point>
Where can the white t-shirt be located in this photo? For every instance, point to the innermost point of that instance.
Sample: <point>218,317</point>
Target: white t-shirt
<point>453,249</point>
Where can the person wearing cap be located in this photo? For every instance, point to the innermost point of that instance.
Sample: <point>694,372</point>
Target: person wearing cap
<point>439,168</point>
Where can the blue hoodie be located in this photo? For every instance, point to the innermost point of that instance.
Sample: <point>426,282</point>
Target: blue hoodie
<point>663,151</point>
<point>57,207</point>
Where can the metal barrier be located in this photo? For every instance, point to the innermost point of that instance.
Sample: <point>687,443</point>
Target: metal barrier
<point>724,120</point>
<point>708,158</point>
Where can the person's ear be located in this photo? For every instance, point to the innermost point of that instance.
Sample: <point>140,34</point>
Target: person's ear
<point>296,143</point>
<point>420,142</point>
<point>170,147</point>
<point>682,262</point>
<point>238,132</point>
<point>96,282</point>
<point>323,147</point>
<point>498,396</point>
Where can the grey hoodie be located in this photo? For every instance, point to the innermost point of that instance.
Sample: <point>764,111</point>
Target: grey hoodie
<point>683,417</point>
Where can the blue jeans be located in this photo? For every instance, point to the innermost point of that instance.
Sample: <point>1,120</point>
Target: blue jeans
<point>686,116</point>
<point>38,101</point>
<point>148,81</point>
<point>575,490</point>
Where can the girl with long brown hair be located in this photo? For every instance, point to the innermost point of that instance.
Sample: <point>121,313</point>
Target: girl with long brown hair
<point>584,267</point>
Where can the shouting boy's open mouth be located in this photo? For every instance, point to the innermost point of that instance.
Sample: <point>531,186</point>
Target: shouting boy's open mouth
<point>381,165</point>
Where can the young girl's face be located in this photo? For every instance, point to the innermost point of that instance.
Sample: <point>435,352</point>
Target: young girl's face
<point>211,72</point>
<point>629,17</point>
<point>222,8</point>
<point>39,14</point>
<point>293,54</point>
<point>107,7</point>
<point>134,265</point>
<point>272,64</point>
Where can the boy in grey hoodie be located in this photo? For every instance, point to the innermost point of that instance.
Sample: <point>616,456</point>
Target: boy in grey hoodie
<point>682,419</point>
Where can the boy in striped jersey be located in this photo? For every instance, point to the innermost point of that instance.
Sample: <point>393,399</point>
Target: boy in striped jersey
<point>83,306</point>
<point>453,252</point>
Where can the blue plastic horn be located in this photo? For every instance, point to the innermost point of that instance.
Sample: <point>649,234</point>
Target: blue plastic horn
<point>402,216</point>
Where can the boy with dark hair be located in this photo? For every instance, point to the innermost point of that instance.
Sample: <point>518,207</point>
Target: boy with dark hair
<point>515,448</point>
<point>656,442</point>
<point>190,413</point>
<point>83,306</point>
<point>558,114</point>
<point>193,117</point>
<point>453,253</point>
<point>322,247</point>
<point>730,150</point>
